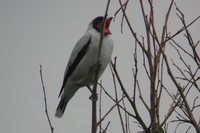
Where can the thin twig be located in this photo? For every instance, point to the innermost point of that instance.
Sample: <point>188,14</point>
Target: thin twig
<point>141,97</point>
<point>100,107</point>
<point>122,20</point>
<point>189,113</point>
<point>104,131</point>
<point>181,30</point>
<point>135,73</point>
<point>130,27</point>
<point>133,105</point>
<point>116,102</point>
<point>45,100</point>
<point>126,117</point>
<point>109,111</point>
<point>116,99</point>
<point>94,92</point>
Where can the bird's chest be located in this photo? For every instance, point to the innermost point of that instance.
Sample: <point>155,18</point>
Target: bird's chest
<point>88,65</point>
<point>105,51</point>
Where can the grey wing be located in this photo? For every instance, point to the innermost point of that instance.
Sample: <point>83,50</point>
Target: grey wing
<point>76,56</point>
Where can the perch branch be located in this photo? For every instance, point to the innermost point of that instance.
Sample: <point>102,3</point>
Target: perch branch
<point>94,91</point>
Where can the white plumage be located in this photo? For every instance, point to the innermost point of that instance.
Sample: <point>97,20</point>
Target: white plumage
<point>82,65</point>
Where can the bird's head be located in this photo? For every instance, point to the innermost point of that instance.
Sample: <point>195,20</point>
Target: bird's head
<point>97,24</point>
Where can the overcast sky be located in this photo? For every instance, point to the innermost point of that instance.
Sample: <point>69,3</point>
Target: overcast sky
<point>34,32</point>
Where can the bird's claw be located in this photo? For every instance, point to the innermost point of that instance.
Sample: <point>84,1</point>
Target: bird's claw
<point>94,97</point>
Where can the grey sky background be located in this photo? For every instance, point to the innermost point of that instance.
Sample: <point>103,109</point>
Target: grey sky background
<point>34,32</point>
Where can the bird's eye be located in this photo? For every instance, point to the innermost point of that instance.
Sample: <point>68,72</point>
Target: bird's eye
<point>97,22</point>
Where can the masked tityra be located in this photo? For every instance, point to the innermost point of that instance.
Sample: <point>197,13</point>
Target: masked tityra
<point>82,65</point>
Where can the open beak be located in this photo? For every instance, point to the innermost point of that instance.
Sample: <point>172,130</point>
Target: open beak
<point>107,25</point>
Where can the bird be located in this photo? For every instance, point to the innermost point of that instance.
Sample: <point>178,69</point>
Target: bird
<point>82,65</point>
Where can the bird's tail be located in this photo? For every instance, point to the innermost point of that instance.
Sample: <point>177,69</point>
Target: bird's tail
<point>61,108</point>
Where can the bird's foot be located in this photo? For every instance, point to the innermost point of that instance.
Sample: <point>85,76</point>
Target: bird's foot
<point>94,97</point>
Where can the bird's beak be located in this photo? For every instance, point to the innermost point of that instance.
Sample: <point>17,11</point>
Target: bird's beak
<point>107,25</point>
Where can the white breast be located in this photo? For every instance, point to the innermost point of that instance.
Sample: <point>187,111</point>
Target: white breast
<point>86,69</point>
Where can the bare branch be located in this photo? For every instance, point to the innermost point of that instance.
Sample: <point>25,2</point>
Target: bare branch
<point>116,99</point>
<point>100,96</point>
<point>131,29</point>
<point>94,91</point>
<point>141,97</point>
<point>190,115</point>
<point>130,114</point>
<point>138,117</point>
<point>109,111</point>
<point>181,30</point>
<point>45,101</point>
